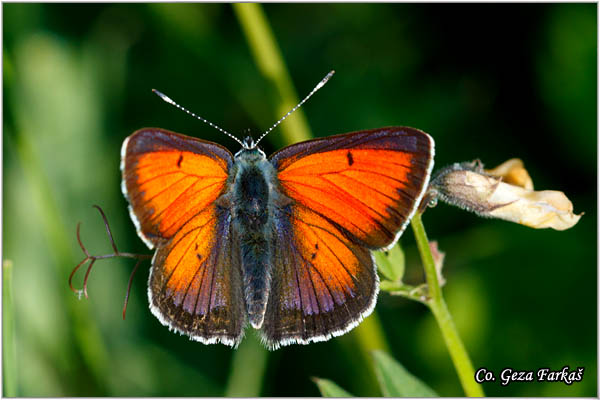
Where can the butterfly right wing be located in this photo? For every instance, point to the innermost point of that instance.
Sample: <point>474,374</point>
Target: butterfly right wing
<point>324,283</point>
<point>173,184</point>
<point>346,194</point>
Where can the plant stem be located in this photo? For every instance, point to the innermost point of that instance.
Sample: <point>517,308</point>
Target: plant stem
<point>369,334</point>
<point>440,311</point>
<point>365,338</point>
<point>247,368</point>
<point>9,366</point>
<point>269,60</point>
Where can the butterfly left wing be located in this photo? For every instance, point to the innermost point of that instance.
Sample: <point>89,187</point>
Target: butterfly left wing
<point>173,183</point>
<point>349,193</point>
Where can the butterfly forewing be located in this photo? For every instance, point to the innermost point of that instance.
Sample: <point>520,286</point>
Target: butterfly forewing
<point>172,183</point>
<point>168,178</point>
<point>368,182</point>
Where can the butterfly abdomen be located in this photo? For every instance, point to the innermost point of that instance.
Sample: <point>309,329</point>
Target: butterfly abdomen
<point>251,191</point>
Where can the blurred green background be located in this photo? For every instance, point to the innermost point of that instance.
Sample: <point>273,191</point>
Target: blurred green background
<point>486,81</point>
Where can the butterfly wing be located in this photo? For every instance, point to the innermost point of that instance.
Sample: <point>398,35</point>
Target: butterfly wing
<point>173,184</point>
<point>367,182</point>
<point>349,193</point>
<point>322,284</point>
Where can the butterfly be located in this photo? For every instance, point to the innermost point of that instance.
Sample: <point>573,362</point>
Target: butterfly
<point>282,243</point>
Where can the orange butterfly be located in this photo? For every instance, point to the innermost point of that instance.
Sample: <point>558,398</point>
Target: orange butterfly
<point>283,243</point>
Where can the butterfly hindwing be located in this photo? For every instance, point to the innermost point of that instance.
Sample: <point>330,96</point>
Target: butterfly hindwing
<point>323,282</point>
<point>195,284</point>
<point>349,193</point>
<point>172,183</point>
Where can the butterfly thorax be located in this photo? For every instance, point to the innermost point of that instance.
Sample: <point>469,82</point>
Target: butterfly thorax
<point>251,191</point>
<point>253,177</point>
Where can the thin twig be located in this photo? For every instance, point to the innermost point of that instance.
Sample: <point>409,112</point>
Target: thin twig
<point>137,264</point>
<point>92,259</point>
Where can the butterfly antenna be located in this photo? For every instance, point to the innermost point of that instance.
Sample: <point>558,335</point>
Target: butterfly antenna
<point>168,100</point>
<point>319,86</point>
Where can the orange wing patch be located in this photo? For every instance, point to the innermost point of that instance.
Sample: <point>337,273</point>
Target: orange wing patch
<point>360,194</point>
<point>369,182</point>
<point>189,249</point>
<point>168,180</point>
<point>334,263</point>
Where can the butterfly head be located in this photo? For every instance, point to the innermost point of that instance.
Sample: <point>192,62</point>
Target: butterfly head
<point>248,143</point>
<point>250,151</point>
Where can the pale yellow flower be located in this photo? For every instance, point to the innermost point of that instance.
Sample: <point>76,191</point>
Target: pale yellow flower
<point>513,172</point>
<point>505,192</point>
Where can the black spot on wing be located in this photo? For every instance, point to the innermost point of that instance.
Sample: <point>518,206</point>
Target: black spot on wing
<point>179,161</point>
<point>350,158</point>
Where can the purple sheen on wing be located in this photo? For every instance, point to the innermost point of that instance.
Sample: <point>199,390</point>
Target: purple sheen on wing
<point>204,303</point>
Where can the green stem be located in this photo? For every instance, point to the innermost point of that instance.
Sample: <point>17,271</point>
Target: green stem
<point>269,60</point>
<point>9,366</point>
<point>440,311</point>
<point>416,293</point>
<point>365,338</point>
<point>267,56</point>
<point>247,368</point>
<point>369,335</point>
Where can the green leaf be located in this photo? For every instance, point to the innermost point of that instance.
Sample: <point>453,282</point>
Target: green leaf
<point>391,263</point>
<point>330,389</point>
<point>396,381</point>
